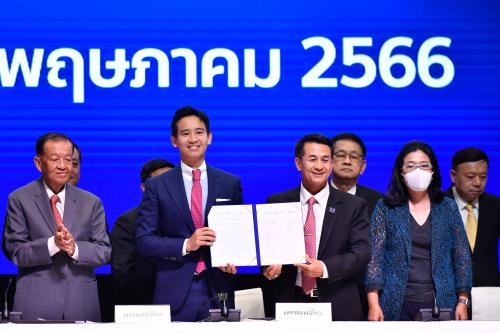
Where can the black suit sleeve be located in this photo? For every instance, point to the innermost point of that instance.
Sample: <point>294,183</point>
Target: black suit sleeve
<point>127,266</point>
<point>357,254</point>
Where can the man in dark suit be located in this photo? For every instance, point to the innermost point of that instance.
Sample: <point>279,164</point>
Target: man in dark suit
<point>172,222</point>
<point>56,234</point>
<point>349,162</point>
<point>339,235</point>
<point>480,213</point>
<point>134,275</point>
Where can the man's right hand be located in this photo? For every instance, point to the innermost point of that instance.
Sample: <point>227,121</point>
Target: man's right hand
<point>201,237</point>
<point>59,238</point>
<point>272,271</point>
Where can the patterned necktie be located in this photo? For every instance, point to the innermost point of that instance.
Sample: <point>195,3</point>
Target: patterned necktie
<point>309,283</point>
<point>471,225</point>
<point>57,216</point>
<point>196,211</point>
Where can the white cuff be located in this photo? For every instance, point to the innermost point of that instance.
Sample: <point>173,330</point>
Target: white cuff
<point>75,255</point>
<point>184,251</point>
<point>51,245</point>
<point>325,271</point>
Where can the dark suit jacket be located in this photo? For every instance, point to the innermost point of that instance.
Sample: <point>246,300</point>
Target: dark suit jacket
<point>371,197</point>
<point>343,247</point>
<point>55,287</point>
<point>165,221</point>
<point>134,274</point>
<point>485,256</point>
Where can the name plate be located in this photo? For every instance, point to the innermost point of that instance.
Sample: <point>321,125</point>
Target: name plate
<point>304,311</point>
<point>142,314</point>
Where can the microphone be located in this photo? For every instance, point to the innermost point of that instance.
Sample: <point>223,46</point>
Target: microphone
<point>224,311</point>
<point>6,312</point>
<point>435,308</point>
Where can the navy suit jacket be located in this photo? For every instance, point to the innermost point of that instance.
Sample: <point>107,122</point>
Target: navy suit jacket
<point>164,222</point>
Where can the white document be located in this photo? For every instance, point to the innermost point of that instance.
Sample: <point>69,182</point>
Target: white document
<point>235,237</point>
<point>281,233</point>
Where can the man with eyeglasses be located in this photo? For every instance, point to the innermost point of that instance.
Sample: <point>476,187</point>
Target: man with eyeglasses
<point>349,153</point>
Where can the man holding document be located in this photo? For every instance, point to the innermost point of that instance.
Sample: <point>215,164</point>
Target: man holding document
<point>336,229</point>
<point>172,222</point>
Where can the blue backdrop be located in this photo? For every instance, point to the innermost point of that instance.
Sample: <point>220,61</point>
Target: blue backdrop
<point>265,72</point>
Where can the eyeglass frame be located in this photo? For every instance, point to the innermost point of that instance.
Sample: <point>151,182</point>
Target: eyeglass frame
<point>360,159</point>
<point>415,166</point>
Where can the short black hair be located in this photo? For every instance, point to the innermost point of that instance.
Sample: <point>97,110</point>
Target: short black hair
<point>397,192</point>
<point>52,136</point>
<point>470,154</point>
<point>350,137</point>
<point>315,138</point>
<point>75,147</point>
<point>187,111</point>
<point>151,166</point>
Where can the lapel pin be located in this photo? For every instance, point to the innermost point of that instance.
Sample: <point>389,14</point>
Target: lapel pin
<point>331,210</point>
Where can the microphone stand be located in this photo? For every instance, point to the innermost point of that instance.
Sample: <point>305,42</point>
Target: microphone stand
<point>6,311</point>
<point>223,313</point>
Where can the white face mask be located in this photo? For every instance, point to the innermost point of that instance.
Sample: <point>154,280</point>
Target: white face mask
<point>418,180</point>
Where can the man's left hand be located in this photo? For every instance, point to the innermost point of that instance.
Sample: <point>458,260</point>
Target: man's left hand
<point>313,267</point>
<point>69,242</point>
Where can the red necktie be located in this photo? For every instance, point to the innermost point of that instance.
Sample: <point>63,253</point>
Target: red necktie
<point>53,201</point>
<point>309,283</point>
<point>196,211</point>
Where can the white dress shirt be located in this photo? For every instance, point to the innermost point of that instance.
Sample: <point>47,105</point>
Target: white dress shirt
<point>187,177</point>
<point>51,244</point>
<point>462,206</point>
<point>319,214</point>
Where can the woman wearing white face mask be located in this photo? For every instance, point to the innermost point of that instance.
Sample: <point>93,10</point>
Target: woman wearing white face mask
<point>419,247</point>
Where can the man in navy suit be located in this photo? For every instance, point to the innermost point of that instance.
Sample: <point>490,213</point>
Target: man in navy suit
<point>172,222</point>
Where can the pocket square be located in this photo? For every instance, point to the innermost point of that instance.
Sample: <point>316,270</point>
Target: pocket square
<point>221,200</point>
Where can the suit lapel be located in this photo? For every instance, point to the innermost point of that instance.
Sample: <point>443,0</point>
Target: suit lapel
<point>174,184</point>
<point>214,184</point>
<point>43,205</point>
<point>70,207</point>
<point>332,208</point>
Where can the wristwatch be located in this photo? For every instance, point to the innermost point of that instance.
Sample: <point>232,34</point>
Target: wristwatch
<point>465,301</point>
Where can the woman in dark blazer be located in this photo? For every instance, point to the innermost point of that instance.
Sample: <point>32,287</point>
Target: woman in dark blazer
<point>418,243</point>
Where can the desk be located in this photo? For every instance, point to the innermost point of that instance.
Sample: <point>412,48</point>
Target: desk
<point>264,327</point>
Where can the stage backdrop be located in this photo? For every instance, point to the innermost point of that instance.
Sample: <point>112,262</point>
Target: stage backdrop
<point>110,74</point>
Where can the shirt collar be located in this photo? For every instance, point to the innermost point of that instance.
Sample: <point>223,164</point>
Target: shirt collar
<point>61,194</point>
<point>187,171</point>
<point>352,190</point>
<point>461,202</point>
<point>321,197</point>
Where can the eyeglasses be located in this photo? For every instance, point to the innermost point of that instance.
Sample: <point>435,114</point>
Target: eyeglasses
<point>342,155</point>
<point>409,167</point>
